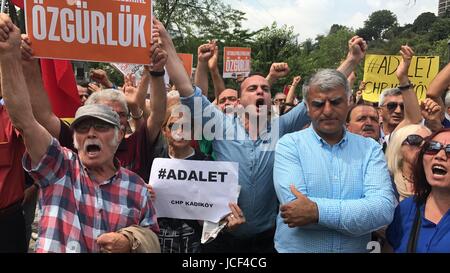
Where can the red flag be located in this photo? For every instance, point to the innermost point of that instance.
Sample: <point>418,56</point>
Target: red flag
<point>61,87</point>
<point>18,3</point>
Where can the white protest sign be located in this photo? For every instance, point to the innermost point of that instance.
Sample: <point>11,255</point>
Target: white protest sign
<point>136,70</point>
<point>194,190</point>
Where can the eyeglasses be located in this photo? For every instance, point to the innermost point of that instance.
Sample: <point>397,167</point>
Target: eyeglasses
<point>99,126</point>
<point>320,104</point>
<point>391,106</point>
<point>279,100</point>
<point>435,147</point>
<point>413,140</point>
<point>230,98</point>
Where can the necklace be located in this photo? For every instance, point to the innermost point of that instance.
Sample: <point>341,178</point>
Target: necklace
<point>409,180</point>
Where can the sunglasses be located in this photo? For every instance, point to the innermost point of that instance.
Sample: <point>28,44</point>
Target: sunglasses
<point>435,147</point>
<point>413,140</point>
<point>320,104</point>
<point>98,126</point>
<point>391,106</point>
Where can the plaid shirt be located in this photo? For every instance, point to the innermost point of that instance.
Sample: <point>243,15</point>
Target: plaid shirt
<point>76,210</point>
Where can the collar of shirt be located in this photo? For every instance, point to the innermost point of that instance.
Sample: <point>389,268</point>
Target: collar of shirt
<point>117,174</point>
<point>323,142</point>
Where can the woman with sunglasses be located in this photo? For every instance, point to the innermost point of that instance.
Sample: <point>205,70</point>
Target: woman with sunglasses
<point>422,222</point>
<point>401,156</point>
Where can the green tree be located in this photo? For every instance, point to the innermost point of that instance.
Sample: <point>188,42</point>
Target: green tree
<point>276,44</point>
<point>377,24</point>
<point>424,22</point>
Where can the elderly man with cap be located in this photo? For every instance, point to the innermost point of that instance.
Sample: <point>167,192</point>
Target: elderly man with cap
<point>89,203</point>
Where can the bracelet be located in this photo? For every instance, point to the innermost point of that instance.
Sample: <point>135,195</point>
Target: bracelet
<point>139,116</point>
<point>158,73</point>
<point>406,86</point>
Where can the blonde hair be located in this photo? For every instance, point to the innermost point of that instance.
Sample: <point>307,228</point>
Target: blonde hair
<point>394,156</point>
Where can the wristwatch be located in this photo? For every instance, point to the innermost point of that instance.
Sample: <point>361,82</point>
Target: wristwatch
<point>158,73</point>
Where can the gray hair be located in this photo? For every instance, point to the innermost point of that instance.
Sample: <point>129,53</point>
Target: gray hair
<point>108,95</point>
<point>327,79</point>
<point>447,99</point>
<point>387,93</point>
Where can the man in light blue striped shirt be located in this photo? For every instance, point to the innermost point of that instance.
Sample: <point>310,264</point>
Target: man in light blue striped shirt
<point>333,186</point>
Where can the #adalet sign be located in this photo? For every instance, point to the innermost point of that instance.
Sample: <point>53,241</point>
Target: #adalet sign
<point>194,190</point>
<point>101,31</point>
<point>379,74</point>
<point>236,62</point>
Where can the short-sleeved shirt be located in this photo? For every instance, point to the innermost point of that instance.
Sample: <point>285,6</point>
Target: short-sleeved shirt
<point>12,180</point>
<point>76,210</point>
<point>134,152</point>
<point>432,238</point>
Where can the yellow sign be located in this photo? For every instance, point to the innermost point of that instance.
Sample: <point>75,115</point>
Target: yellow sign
<point>379,74</point>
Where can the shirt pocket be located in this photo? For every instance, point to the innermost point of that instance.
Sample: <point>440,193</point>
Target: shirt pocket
<point>123,216</point>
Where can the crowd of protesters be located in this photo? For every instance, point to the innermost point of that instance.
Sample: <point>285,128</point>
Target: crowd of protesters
<point>330,172</point>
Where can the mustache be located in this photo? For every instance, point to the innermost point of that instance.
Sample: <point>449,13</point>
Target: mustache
<point>368,128</point>
<point>90,142</point>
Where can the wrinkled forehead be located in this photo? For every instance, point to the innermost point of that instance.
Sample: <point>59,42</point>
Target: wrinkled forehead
<point>228,93</point>
<point>388,99</point>
<point>254,80</point>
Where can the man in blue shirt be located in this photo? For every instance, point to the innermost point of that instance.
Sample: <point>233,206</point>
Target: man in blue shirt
<point>333,185</point>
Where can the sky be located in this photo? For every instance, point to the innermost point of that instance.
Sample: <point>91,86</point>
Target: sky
<point>315,17</point>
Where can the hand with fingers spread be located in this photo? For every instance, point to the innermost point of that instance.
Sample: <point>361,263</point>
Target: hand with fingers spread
<point>130,90</point>
<point>402,70</point>
<point>300,212</point>
<point>113,242</point>
<point>235,218</point>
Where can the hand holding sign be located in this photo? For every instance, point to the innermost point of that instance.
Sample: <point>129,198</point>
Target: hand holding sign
<point>235,218</point>
<point>402,70</point>
<point>158,58</point>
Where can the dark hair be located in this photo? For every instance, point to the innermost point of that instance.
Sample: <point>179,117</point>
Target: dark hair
<point>353,107</point>
<point>421,186</point>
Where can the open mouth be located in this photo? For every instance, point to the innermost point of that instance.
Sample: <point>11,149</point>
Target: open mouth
<point>93,149</point>
<point>259,103</point>
<point>439,170</point>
